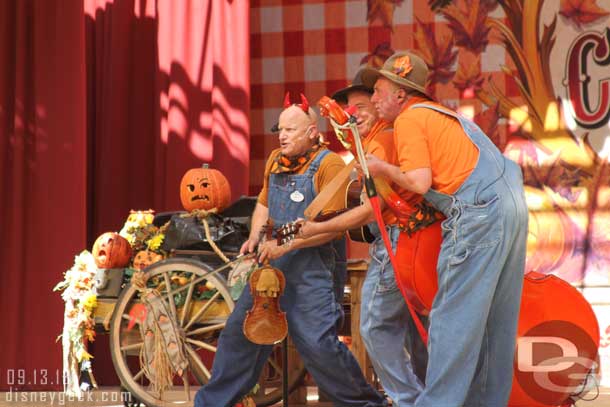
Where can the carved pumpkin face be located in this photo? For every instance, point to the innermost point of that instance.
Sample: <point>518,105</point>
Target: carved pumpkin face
<point>204,188</point>
<point>111,251</point>
<point>145,258</point>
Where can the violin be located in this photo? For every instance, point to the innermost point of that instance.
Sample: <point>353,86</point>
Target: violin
<point>265,322</point>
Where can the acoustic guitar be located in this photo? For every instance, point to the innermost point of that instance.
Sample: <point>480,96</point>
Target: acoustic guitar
<point>352,200</point>
<point>289,231</point>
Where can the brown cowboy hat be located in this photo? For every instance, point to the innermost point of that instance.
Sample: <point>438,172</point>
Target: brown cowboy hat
<point>356,86</point>
<point>403,68</point>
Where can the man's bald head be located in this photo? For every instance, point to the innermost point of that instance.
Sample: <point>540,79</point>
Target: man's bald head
<point>298,130</point>
<point>297,116</point>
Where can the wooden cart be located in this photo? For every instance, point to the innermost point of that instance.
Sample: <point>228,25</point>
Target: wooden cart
<point>200,302</point>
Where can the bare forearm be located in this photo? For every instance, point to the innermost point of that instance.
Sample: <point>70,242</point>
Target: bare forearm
<point>316,240</point>
<point>417,180</point>
<point>355,217</point>
<point>259,219</point>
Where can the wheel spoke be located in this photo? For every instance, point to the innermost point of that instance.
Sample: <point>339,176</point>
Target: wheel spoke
<point>187,385</point>
<point>196,360</point>
<point>205,329</point>
<point>138,375</point>
<point>187,302</point>
<point>203,309</point>
<point>129,318</point>
<point>201,344</point>
<point>132,346</point>
<point>201,320</point>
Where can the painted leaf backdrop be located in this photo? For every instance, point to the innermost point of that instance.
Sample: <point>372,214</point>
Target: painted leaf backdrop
<point>582,11</point>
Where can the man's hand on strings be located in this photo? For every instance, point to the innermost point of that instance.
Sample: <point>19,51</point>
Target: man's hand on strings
<point>269,250</point>
<point>249,245</point>
<point>375,165</point>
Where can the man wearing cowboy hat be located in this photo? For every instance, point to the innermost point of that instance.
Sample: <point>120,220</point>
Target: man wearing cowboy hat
<point>386,327</point>
<point>294,174</point>
<point>480,268</point>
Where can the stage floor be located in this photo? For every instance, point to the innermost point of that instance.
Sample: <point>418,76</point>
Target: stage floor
<point>111,397</point>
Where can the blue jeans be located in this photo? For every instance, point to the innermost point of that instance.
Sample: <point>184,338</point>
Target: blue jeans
<point>387,329</point>
<point>312,311</point>
<point>473,321</point>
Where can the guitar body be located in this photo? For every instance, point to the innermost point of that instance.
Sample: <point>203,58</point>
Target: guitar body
<point>550,307</point>
<point>352,200</point>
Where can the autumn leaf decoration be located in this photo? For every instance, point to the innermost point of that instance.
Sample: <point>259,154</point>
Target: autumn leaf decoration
<point>581,11</point>
<point>382,10</point>
<point>468,23</point>
<point>402,66</point>
<point>488,122</point>
<point>552,172</point>
<point>379,55</point>
<point>436,5</point>
<point>439,56</point>
<point>539,111</point>
<point>469,75</point>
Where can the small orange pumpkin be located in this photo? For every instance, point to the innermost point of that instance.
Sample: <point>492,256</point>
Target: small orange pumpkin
<point>111,251</point>
<point>145,258</point>
<point>204,188</point>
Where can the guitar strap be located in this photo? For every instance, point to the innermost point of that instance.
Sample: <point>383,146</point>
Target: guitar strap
<point>328,192</point>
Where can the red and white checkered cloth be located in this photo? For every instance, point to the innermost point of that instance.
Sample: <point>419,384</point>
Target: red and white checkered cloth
<point>316,46</point>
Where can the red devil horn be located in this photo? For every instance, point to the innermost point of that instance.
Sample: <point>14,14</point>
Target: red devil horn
<point>304,104</point>
<point>287,100</point>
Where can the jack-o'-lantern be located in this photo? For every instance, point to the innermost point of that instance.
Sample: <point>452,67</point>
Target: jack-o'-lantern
<point>111,251</point>
<point>145,258</point>
<point>204,188</point>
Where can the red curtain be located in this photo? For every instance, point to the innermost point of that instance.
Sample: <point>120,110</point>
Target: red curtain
<point>103,107</point>
<point>43,173</point>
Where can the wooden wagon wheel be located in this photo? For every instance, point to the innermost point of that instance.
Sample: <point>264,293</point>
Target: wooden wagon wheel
<point>201,321</point>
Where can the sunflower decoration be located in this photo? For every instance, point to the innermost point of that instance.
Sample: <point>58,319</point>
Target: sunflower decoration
<point>145,239</point>
<point>155,242</point>
<point>139,228</point>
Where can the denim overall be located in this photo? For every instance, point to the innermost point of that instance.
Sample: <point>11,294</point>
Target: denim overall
<point>473,321</point>
<point>386,327</point>
<point>312,312</point>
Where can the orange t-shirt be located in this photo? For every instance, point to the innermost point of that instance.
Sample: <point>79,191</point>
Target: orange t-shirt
<point>425,138</point>
<point>380,143</point>
<point>329,168</point>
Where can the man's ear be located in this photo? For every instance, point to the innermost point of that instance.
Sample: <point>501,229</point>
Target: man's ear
<point>402,94</point>
<point>311,131</point>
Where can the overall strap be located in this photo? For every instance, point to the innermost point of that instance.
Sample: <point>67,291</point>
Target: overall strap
<point>315,164</point>
<point>438,109</point>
